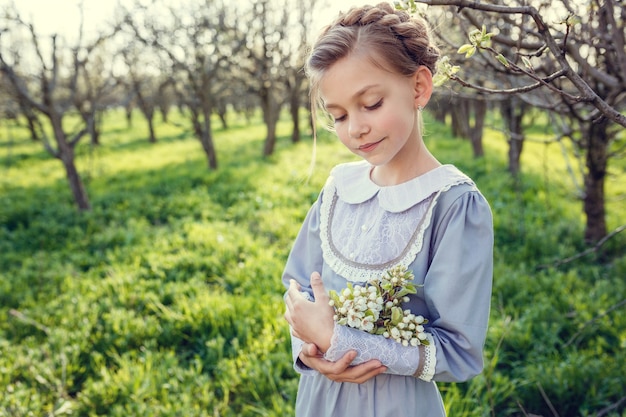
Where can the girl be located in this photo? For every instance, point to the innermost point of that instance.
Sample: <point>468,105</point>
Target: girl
<point>371,71</point>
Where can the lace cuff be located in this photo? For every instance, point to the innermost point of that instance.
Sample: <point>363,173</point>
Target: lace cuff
<point>428,360</point>
<point>399,360</point>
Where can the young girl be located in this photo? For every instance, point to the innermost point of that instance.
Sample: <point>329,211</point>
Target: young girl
<point>371,71</point>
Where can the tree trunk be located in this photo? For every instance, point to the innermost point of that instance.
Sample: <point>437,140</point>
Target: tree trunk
<point>270,140</point>
<point>294,109</point>
<point>476,131</point>
<point>439,109</point>
<point>129,116</point>
<point>204,134</point>
<point>512,111</point>
<point>94,132</point>
<point>461,111</point>
<point>209,149</point>
<point>516,145</point>
<point>164,113</point>
<point>270,115</point>
<point>460,119</point>
<point>294,85</point>
<point>223,120</point>
<point>597,141</point>
<point>31,120</point>
<point>66,155</point>
<point>76,185</point>
<point>152,138</point>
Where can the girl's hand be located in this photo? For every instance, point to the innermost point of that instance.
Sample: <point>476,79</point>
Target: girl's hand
<point>311,322</point>
<point>340,371</point>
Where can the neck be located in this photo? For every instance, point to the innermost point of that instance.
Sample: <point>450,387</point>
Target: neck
<point>405,167</point>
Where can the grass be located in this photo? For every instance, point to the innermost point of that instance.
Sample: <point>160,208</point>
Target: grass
<point>166,300</point>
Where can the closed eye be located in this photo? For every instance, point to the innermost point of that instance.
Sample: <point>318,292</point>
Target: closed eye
<point>375,106</point>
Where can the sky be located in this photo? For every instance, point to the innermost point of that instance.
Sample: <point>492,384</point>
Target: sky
<point>62,16</point>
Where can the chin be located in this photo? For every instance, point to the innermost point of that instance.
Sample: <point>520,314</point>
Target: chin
<point>375,160</point>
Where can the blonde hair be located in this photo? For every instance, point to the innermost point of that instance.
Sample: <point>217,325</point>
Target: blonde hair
<point>392,39</point>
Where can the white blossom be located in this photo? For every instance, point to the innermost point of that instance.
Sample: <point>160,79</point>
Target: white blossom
<point>367,324</point>
<point>375,306</point>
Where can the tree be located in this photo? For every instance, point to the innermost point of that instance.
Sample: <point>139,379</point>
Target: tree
<point>580,59</point>
<point>142,85</point>
<point>13,107</point>
<point>196,43</point>
<point>266,57</point>
<point>94,83</point>
<point>46,80</point>
<point>295,79</point>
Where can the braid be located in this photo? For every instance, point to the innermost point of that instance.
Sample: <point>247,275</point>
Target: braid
<point>384,29</point>
<point>391,39</point>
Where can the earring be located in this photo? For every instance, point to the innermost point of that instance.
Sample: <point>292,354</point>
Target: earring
<point>420,108</point>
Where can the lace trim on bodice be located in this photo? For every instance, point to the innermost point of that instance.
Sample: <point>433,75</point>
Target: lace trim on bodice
<point>361,253</point>
<point>361,241</point>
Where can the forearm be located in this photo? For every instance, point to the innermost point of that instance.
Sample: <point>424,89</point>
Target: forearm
<point>417,361</point>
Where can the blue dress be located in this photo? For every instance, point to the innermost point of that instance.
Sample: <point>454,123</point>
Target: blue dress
<point>440,227</point>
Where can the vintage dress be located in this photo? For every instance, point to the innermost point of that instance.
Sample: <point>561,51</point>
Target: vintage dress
<point>440,226</point>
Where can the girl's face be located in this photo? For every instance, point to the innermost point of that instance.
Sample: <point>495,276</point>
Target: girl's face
<point>374,111</point>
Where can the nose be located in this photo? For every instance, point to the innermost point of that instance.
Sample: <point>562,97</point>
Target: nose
<point>357,127</point>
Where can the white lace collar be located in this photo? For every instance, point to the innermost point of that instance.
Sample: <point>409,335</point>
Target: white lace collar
<point>353,185</point>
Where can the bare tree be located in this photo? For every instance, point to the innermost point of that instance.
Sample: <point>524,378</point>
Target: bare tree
<point>13,107</point>
<point>464,106</point>
<point>266,57</point>
<point>49,85</point>
<point>142,85</point>
<point>94,83</point>
<point>165,97</point>
<point>195,42</point>
<point>579,59</point>
<point>295,79</point>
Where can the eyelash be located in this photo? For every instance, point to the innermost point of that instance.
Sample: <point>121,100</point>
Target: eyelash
<point>374,107</point>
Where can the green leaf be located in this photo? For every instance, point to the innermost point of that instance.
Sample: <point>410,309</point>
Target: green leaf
<point>396,315</point>
<point>411,288</point>
<point>503,60</point>
<point>465,49</point>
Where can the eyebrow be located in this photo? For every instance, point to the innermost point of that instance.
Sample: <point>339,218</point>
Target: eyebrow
<point>359,93</point>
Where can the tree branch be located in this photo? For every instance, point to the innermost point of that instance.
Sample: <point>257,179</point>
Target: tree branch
<point>606,410</point>
<point>588,94</point>
<point>509,91</point>
<point>593,320</point>
<point>592,249</point>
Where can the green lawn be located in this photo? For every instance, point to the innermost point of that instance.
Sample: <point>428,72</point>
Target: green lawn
<point>166,300</point>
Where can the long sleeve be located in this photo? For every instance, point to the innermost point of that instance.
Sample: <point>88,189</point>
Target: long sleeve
<point>457,286</point>
<point>304,258</point>
<point>455,298</point>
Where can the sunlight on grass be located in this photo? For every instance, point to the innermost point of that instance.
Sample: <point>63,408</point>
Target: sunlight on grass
<point>166,298</point>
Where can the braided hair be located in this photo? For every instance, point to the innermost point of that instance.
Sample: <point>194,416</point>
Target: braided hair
<point>392,39</point>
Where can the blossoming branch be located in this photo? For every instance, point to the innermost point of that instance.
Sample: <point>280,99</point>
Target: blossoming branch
<point>377,308</point>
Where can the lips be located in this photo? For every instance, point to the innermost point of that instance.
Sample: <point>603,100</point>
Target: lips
<point>368,147</point>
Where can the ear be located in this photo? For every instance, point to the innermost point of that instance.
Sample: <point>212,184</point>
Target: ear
<point>422,86</point>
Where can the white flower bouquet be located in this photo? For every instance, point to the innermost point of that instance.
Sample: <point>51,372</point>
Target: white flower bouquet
<point>377,308</point>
